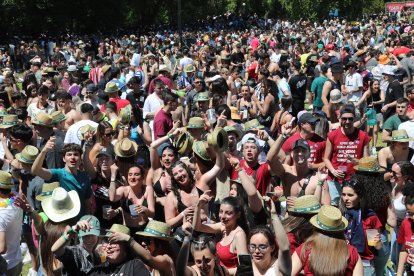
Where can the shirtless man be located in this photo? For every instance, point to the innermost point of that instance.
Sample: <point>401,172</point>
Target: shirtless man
<point>64,104</point>
<point>298,179</point>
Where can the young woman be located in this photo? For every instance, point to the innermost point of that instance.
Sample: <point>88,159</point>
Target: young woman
<point>245,105</point>
<point>152,247</point>
<point>282,116</point>
<point>374,98</point>
<point>266,258</point>
<point>266,108</point>
<point>406,234</point>
<point>137,199</point>
<point>104,136</point>
<point>360,220</point>
<point>328,237</point>
<point>232,227</point>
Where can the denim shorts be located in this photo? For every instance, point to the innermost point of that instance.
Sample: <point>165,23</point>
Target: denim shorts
<point>335,189</point>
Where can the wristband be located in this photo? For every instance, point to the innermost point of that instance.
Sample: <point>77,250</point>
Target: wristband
<point>65,238</point>
<point>284,136</point>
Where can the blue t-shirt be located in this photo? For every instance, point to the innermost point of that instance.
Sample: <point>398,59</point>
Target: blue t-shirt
<point>79,183</point>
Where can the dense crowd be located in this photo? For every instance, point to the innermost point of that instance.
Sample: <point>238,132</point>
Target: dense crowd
<point>281,150</point>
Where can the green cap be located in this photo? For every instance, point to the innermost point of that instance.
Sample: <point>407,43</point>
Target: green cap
<point>95,226</point>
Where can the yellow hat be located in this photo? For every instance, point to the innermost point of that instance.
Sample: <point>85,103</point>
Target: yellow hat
<point>125,148</point>
<point>28,155</point>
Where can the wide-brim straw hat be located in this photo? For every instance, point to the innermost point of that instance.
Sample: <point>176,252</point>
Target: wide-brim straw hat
<point>305,205</point>
<point>28,155</point>
<point>119,228</point>
<point>3,111</point>
<point>57,116</point>
<point>42,119</point>
<point>202,96</point>
<point>85,129</point>
<point>200,149</point>
<point>329,219</point>
<point>234,130</point>
<point>369,164</point>
<point>158,230</point>
<point>62,205</point>
<point>47,190</point>
<point>252,124</point>
<point>111,87</point>
<point>9,121</point>
<point>6,180</point>
<point>400,136</point>
<point>184,143</point>
<point>125,148</point>
<point>196,122</point>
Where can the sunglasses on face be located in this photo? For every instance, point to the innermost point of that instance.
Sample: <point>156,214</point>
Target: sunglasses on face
<point>350,119</point>
<point>142,239</point>
<point>197,82</point>
<point>109,134</point>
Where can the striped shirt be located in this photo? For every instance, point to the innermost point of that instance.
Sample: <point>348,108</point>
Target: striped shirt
<point>95,75</point>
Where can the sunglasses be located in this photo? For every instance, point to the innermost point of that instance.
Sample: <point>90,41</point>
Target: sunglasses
<point>197,82</point>
<point>350,119</point>
<point>143,239</point>
<point>109,134</point>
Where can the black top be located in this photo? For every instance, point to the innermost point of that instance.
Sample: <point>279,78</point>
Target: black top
<point>297,85</point>
<point>394,91</point>
<point>131,267</point>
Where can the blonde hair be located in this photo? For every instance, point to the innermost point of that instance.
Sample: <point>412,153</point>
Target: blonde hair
<point>322,261</point>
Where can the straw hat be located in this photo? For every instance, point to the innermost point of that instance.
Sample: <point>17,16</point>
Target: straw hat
<point>111,87</point>
<point>42,119</point>
<point>28,155</point>
<point>200,148</point>
<point>62,205</point>
<point>85,129</point>
<point>252,124</point>
<point>184,143</point>
<point>335,96</point>
<point>195,122</point>
<point>234,113</point>
<point>3,111</point>
<point>118,228</point>
<point>202,96</point>
<point>329,219</point>
<point>164,67</point>
<point>400,136</point>
<point>305,205</point>
<point>369,164</point>
<point>234,130</point>
<point>9,121</point>
<point>125,115</point>
<point>157,229</point>
<point>6,180</point>
<point>47,190</point>
<point>125,148</point>
<point>99,116</point>
<point>189,68</point>
<point>384,59</point>
<point>57,117</point>
<point>218,139</point>
<point>105,68</point>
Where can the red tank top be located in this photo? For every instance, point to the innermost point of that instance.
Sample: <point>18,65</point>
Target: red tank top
<point>227,259</point>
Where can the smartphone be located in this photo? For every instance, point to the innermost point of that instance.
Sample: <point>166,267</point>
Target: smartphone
<point>245,260</point>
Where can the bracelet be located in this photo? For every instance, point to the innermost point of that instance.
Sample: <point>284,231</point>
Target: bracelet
<point>65,238</point>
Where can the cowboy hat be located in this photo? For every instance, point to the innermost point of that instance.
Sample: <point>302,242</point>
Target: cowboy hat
<point>368,164</point>
<point>125,148</point>
<point>6,180</point>
<point>111,87</point>
<point>218,139</point>
<point>3,111</point>
<point>9,121</point>
<point>189,68</point>
<point>85,129</point>
<point>62,205</point>
<point>305,205</point>
<point>157,229</point>
<point>195,122</point>
<point>47,190</point>
<point>124,115</point>
<point>329,219</point>
<point>57,117</point>
<point>202,96</point>
<point>200,149</point>
<point>28,155</point>
<point>184,143</point>
<point>252,124</point>
<point>232,129</point>
<point>118,228</point>
<point>400,136</point>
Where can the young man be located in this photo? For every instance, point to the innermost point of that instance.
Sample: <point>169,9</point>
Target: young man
<point>306,132</point>
<point>163,122</point>
<point>394,121</point>
<point>344,147</point>
<point>10,228</point>
<point>191,98</point>
<point>73,134</point>
<point>394,91</point>
<point>64,104</point>
<point>69,177</point>
<point>153,103</point>
<point>90,93</point>
<point>297,84</point>
<point>298,179</point>
<point>113,92</point>
<point>42,103</point>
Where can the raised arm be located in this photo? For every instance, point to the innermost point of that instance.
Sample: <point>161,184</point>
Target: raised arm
<point>207,178</point>
<point>198,225</point>
<point>115,194</point>
<point>37,168</point>
<point>182,258</point>
<point>276,167</point>
<point>87,162</point>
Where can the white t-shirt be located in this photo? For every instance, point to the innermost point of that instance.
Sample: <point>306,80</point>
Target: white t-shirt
<point>409,127</point>
<point>353,82</point>
<point>73,134</point>
<point>11,222</point>
<point>32,109</point>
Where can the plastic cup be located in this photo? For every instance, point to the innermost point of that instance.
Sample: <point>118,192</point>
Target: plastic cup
<point>211,116</point>
<point>132,210</point>
<point>100,249</point>
<point>105,210</point>
<point>371,233</point>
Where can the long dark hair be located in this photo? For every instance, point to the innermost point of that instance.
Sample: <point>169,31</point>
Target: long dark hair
<point>359,189</point>
<point>235,202</point>
<point>202,242</point>
<point>174,184</point>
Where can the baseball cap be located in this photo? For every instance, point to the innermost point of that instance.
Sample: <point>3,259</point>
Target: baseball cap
<point>106,151</point>
<point>162,147</point>
<point>307,118</point>
<point>95,227</point>
<point>91,87</point>
<point>301,144</point>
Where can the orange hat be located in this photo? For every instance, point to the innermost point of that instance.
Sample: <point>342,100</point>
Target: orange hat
<point>383,59</point>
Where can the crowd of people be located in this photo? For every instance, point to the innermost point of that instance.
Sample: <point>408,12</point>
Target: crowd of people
<point>286,150</point>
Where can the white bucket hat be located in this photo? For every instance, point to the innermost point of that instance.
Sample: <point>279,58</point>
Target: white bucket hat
<point>62,205</point>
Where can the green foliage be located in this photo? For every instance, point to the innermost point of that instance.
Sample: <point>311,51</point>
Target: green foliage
<point>57,16</point>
